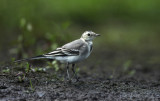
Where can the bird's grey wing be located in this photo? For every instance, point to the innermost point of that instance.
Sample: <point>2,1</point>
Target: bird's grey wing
<point>74,45</point>
<point>70,49</point>
<point>78,45</point>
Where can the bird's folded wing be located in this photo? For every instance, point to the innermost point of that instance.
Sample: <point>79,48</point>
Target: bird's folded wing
<point>70,49</point>
<point>63,52</point>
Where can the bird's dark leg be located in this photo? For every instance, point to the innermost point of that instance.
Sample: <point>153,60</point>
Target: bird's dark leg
<point>75,74</point>
<point>68,71</point>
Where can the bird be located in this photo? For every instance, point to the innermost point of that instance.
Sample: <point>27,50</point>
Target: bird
<point>72,52</point>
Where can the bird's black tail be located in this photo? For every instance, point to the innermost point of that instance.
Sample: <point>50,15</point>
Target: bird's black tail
<point>32,58</point>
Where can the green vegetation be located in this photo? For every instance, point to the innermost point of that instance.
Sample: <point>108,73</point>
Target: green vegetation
<point>6,70</point>
<point>30,28</point>
<point>32,88</point>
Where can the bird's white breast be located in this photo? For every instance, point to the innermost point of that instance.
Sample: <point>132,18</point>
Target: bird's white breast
<point>89,48</point>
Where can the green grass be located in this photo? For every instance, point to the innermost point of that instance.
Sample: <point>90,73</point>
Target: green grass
<point>39,26</point>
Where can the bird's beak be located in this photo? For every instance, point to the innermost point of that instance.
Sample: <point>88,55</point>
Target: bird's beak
<point>98,35</point>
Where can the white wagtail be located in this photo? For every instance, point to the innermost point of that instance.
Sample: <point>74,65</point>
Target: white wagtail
<point>72,52</point>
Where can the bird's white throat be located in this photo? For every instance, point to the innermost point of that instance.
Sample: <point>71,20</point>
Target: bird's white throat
<point>89,42</point>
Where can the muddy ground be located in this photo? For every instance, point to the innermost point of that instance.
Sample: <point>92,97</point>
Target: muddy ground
<point>108,75</point>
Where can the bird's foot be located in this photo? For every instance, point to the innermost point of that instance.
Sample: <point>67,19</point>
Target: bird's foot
<point>68,80</point>
<point>76,79</point>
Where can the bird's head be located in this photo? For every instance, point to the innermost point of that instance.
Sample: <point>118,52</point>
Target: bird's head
<point>89,35</point>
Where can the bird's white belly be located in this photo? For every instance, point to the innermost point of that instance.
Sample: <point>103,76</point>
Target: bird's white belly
<point>71,59</point>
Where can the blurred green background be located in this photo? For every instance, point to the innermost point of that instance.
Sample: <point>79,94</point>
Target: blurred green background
<point>29,28</point>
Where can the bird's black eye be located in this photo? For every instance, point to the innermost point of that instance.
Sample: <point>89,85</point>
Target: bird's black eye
<point>89,34</point>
